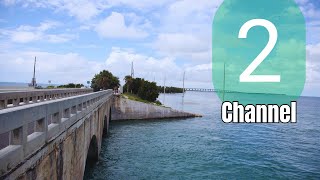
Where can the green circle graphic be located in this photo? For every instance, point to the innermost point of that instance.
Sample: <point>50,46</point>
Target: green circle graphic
<point>240,71</point>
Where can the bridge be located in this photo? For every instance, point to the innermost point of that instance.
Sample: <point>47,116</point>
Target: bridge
<point>199,89</point>
<point>205,90</point>
<point>51,134</point>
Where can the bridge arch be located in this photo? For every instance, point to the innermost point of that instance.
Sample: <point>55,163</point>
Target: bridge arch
<point>106,125</point>
<point>93,154</point>
<point>109,114</point>
<point>107,119</point>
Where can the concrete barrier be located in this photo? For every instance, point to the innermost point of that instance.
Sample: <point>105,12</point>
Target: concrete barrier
<point>126,109</point>
<point>19,98</point>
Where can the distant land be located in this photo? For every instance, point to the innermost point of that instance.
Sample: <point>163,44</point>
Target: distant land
<point>20,84</point>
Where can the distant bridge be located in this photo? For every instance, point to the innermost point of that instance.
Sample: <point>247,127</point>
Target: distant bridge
<point>51,134</point>
<point>204,90</point>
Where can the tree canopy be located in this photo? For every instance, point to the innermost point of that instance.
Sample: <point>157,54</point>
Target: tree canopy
<point>70,85</point>
<point>144,89</point>
<point>104,80</point>
<point>129,80</point>
<point>170,89</point>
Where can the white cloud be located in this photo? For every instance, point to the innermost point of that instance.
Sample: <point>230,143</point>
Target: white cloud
<point>81,9</point>
<point>85,10</point>
<point>24,37</point>
<point>312,85</point>
<point>72,67</point>
<point>26,33</point>
<point>199,76</point>
<point>313,64</point>
<point>188,46</point>
<point>152,68</point>
<point>309,9</point>
<point>189,16</point>
<point>8,2</point>
<point>313,31</point>
<point>115,26</point>
<point>185,30</point>
<point>181,43</point>
<point>119,62</point>
<point>59,68</point>
<point>301,2</point>
<point>185,8</point>
<point>142,5</point>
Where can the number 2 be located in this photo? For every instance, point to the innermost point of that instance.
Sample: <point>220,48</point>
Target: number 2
<point>273,36</point>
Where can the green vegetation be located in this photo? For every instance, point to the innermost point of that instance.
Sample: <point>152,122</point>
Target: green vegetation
<point>170,89</point>
<point>137,98</point>
<point>142,88</point>
<point>129,80</point>
<point>104,80</point>
<point>51,87</point>
<point>70,85</point>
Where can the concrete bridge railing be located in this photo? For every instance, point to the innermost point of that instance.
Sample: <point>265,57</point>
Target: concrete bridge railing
<point>19,98</point>
<point>27,129</point>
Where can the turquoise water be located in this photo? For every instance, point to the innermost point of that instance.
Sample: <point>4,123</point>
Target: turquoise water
<point>206,148</point>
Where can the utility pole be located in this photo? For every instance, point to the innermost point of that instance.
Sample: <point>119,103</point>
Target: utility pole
<point>164,89</point>
<point>164,85</point>
<point>184,73</point>
<point>33,80</point>
<point>224,80</point>
<point>132,70</point>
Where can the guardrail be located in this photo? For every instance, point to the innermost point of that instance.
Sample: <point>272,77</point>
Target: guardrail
<point>28,128</point>
<point>19,98</point>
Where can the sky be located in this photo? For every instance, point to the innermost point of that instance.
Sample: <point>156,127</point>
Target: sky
<point>75,39</point>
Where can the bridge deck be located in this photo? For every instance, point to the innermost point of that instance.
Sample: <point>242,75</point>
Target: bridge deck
<point>205,90</point>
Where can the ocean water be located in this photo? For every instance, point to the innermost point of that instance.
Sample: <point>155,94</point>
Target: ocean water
<point>206,148</point>
<point>20,85</point>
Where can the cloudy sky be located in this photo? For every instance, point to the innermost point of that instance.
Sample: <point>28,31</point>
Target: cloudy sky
<point>74,39</point>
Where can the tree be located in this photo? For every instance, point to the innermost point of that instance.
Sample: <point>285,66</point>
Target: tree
<point>148,91</point>
<point>170,89</point>
<point>144,89</point>
<point>128,79</point>
<point>136,84</point>
<point>71,85</point>
<point>104,80</point>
